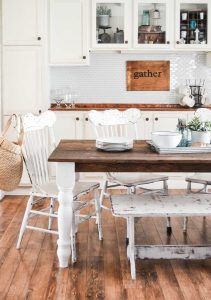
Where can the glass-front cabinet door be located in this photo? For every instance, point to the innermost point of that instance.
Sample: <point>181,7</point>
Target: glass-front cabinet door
<point>193,24</point>
<point>111,24</point>
<point>152,24</point>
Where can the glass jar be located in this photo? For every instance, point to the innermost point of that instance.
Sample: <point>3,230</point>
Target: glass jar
<point>146,18</point>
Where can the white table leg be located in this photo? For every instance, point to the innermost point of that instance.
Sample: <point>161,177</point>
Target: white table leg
<point>65,178</point>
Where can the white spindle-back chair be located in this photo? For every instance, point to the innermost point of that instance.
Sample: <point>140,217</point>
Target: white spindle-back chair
<point>204,179</point>
<point>201,179</point>
<point>38,143</point>
<point>115,123</point>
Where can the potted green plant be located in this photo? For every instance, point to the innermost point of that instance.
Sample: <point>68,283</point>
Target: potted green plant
<point>103,16</point>
<point>200,131</point>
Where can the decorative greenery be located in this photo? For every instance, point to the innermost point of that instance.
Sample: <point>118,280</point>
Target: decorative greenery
<point>197,125</point>
<point>103,10</point>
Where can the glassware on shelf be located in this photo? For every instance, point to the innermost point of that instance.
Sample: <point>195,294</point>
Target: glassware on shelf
<point>146,18</point>
<point>193,24</point>
<point>74,98</point>
<point>184,16</point>
<point>201,15</point>
<point>56,96</point>
<point>155,15</point>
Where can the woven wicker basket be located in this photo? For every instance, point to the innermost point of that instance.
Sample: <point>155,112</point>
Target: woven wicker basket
<point>11,160</point>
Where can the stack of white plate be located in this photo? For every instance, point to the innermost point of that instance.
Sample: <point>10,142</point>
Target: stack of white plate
<point>116,144</point>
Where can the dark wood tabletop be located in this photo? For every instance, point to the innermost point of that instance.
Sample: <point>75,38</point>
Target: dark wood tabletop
<point>140,159</point>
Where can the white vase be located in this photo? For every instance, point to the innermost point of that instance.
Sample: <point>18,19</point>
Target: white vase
<point>103,20</point>
<point>200,137</point>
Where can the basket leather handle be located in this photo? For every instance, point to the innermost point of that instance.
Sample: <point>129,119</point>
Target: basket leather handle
<point>21,132</point>
<point>8,125</point>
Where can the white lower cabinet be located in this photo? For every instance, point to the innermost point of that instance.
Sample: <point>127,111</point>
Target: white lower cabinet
<point>158,121</point>
<point>65,126</point>
<point>88,129</point>
<point>145,126</point>
<point>163,121</point>
<point>70,125</point>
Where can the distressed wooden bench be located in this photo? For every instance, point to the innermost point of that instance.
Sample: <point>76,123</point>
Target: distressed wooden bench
<point>155,205</point>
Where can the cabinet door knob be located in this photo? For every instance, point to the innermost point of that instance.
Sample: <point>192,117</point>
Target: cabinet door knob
<point>86,119</point>
<point>156,119</point>
<point>39,38</point>
<point>84,57</point>
<point>126,42</point>
<point>177,42</point>
<point>77,119</point>
<point>168,42</point>
<point>147,119</point>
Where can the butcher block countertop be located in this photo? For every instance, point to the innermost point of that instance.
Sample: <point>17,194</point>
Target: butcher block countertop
<point>143,107</point>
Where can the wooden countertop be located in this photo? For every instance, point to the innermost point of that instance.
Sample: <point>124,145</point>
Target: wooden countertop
<point>143,107</point>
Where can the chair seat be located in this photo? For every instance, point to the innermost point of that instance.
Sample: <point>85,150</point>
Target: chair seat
<point>156,205</point>
<point>200,178</point>
<point>50,189</point>
<point>135,179</point>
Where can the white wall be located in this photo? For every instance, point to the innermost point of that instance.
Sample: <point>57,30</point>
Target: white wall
<point>104,81</point>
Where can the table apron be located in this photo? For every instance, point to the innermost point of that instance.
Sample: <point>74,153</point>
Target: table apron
<point>143,167</point>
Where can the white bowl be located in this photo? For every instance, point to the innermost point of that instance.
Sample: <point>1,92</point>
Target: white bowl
<point>166,139</point>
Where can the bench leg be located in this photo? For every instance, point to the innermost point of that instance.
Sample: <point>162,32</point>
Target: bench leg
<point>168,226</point>
<point>132,248</point>
<point>185,224</point>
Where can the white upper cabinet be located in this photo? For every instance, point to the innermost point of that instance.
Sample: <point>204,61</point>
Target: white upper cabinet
<point>23,85</point>
<point>22,22</point>
<point>69,23</point>
<point>111,24</point>
<point>193,24</point>
<point>153,24</point>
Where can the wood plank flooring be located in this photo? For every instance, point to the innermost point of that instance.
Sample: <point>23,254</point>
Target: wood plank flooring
<point>102,270</point>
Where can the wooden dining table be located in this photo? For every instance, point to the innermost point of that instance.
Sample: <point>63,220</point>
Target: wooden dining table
<point>73,156</point>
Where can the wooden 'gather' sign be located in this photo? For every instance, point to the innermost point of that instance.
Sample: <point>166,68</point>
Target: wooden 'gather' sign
<point>148,75</point>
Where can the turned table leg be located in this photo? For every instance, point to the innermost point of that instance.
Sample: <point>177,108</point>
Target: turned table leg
<point>65,179</point>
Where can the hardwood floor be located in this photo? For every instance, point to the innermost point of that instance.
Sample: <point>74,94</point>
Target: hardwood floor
<point>102,270</point>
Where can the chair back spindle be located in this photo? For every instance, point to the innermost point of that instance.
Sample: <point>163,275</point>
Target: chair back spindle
<point>37,145</point>
<point>115,123</point>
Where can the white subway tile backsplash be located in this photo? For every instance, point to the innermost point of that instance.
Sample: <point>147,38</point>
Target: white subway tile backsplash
<point>104,80</point>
